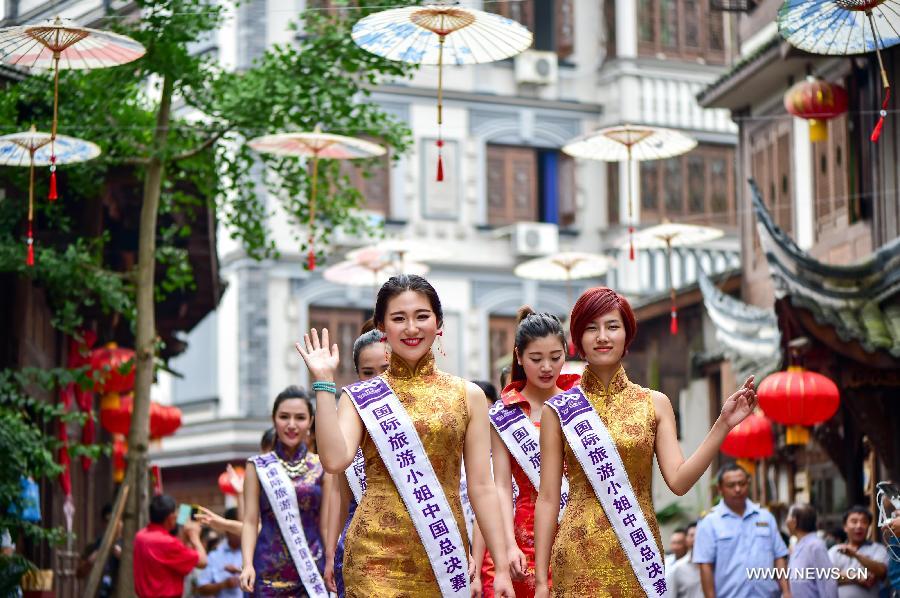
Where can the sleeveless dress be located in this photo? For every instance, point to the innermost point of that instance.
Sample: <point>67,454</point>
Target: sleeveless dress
<point>523,515</point>
<point>383,555</point>
<point>587,559</point>
<point>276,573</point>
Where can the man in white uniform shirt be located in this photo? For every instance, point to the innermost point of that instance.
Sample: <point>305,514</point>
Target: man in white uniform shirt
<point>859,554</point>
<point>683,579</point>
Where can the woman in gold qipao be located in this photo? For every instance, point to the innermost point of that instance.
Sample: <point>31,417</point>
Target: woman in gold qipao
<point>384,556</point>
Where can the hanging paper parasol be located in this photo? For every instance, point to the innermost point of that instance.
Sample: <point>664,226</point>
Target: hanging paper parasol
<point>567,266</point>
<point>843,27</point>
<point>630,143</point>
<point>31,148</point>
<point>441,33</point>
<point>318,146</point>
<point>368,273</point>
<point>666,236</point>
<point>398,250</point>
<point>62,44</point>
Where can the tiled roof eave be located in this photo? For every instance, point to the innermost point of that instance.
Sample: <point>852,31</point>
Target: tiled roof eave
<point>860,302</point>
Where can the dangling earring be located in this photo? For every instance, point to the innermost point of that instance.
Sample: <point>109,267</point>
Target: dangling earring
<point>440,343</point>
<point>387,354</point>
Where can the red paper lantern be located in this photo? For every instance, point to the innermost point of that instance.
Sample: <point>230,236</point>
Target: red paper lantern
<point>225,481</point>
<point>816,100</point>
<point>115,413</point>
<point>164,420</point>
<point>798,397</point>
<point>107,364</point>
<point>115,416</point>
<point>750,439</point>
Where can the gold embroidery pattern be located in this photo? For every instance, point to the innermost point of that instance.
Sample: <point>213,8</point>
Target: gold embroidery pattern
<point>384,556</point>
<point>587,559</point>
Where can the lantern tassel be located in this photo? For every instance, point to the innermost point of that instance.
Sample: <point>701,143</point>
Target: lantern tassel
<point>673,325</point>
<point>876,132</point>
<point>29,258</point>
<point>311,260</point>
<point>156,474</point>
<point>885,82</point>
<point>88,435</point>
<point>440,106</point>
<point>52,196</point>
<point>631,243</point>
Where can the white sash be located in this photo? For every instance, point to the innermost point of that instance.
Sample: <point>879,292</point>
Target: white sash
<point>356,475</point>
<point>522,440</point>
<point>405,458</point>
<point>599,458</point>
<point>468,511</point>
<point>283,498</point>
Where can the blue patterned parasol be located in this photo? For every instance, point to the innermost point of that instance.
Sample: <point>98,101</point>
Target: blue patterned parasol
<point>441,33</point>
<point>843,27</point>
<point>33,148</point>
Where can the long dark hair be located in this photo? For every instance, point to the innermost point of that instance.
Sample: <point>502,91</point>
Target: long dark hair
<point>533,326</point>
<point>400,284</point>
<point>292,392</point>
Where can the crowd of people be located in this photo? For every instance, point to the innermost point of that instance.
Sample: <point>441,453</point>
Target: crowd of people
<point>414,482</point>
<point>716,555</point>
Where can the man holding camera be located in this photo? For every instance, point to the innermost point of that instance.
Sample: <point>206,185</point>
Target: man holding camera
<point>161,560</point>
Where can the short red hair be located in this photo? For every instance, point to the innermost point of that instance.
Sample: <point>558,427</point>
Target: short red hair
<point>592,304</point>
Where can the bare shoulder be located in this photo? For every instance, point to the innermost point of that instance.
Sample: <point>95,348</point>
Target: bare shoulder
<point>658,396</point>
<point>473,391</point>
<point>549,416</point>
<point>661,404</point>
<point>471,387</point>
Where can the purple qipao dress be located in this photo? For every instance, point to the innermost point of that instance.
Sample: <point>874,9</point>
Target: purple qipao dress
<point>276,574</point>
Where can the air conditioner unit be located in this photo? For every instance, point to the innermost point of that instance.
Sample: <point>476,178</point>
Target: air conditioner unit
<point>533,66</point>
<point>534,238</point>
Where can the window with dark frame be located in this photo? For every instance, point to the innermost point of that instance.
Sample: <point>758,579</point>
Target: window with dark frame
<point>681,29</point>
<point>501,337</point>
<point>697,187</point>
<point>373,180</point>
<point>770,166</point>
<point>343,327</point>
<point>612,193</point>
<point>831,181</point>
<point>526,184</point>
<point>609,22</point>
<point>552,21</point>
<point>649,173</point>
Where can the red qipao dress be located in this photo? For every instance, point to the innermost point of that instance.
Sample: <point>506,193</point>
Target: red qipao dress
<point>523,516</point>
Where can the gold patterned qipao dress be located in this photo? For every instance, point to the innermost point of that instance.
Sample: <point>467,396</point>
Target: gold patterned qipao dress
<point>384,556</point>
<point>587,558</point>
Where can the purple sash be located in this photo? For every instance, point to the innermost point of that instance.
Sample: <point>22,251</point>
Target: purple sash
<point>404,456</point>
<point>599,458</point>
